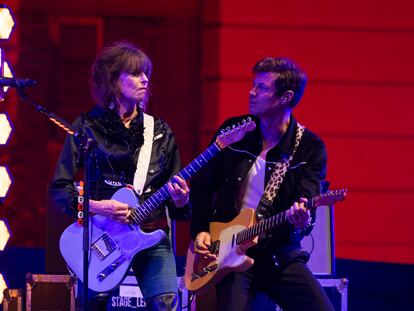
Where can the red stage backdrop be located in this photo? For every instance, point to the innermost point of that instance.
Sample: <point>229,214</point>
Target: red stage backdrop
<point>358,55</point>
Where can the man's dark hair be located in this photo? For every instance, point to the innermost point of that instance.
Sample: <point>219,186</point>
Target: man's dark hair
<point>290,76</point>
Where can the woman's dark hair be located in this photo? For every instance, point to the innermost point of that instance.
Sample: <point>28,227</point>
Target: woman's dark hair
<point>110,63</point>
<point>290,76</point>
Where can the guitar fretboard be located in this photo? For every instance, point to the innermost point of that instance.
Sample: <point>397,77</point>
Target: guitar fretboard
<point>267,224</point>
<point>138,216</point>
<point>260,227</point>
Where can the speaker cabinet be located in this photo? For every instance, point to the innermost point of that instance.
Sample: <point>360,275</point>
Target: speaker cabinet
<point>320,243</point>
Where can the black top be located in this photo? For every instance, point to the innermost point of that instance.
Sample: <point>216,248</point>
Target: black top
<point>214,190</point>
<point>113,165</point>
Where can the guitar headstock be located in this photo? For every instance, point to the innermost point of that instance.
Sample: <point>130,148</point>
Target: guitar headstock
<point>329,198</point>
<point>235,133</point>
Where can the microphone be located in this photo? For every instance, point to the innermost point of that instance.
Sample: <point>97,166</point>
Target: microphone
<point>16,82</point>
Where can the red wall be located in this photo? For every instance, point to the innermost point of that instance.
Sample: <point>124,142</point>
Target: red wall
<point>358,56</point>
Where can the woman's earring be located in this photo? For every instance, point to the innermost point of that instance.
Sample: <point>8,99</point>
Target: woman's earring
<point>111,106</point>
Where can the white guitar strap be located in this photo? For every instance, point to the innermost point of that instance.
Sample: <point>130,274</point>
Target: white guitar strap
<point>144,154</point>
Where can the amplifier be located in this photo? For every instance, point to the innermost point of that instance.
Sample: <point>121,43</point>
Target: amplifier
<point>319,243</point>
<point>50,292</point>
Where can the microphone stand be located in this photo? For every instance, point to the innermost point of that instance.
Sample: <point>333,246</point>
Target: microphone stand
<point>87,145</point>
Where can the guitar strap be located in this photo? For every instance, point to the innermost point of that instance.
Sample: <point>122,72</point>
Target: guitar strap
<point>144,154</point>
<point>277,177</point>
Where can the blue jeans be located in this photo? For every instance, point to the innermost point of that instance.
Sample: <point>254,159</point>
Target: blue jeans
<point>155,270</point>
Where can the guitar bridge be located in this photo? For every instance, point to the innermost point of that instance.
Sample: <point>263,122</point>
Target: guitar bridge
<point>103,246</point>
<point>111,268</point>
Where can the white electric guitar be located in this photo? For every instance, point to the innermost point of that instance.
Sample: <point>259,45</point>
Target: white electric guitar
<point>113,244</point>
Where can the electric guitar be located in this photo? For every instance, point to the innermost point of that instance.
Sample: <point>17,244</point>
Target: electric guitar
<point>114,244</point>
<point>230,241</point>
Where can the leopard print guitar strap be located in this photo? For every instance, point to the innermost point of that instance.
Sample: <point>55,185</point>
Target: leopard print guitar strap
<point>278,175</point>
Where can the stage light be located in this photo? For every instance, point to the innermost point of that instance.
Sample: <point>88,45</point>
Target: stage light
<point>5,181</point>
<point>5,128</point>
<point>7,72</point>
<point>6,27</point>
<point>6,22</point>
<point>4,234</point>
<point>3,286</point>
<point>2,90</point>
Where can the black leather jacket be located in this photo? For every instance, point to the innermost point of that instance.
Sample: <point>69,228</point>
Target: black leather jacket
<point>214,190</point>
<point>114,164</point>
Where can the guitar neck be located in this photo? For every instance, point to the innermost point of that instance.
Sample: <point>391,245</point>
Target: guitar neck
<point>268,223</point>
<point>162,194</point>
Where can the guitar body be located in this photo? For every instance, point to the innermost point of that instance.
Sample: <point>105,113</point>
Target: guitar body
<point>112,246</point>
<point>231,257</point>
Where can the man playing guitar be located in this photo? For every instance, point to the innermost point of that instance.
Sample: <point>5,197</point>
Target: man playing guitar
<point>236,180</point>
